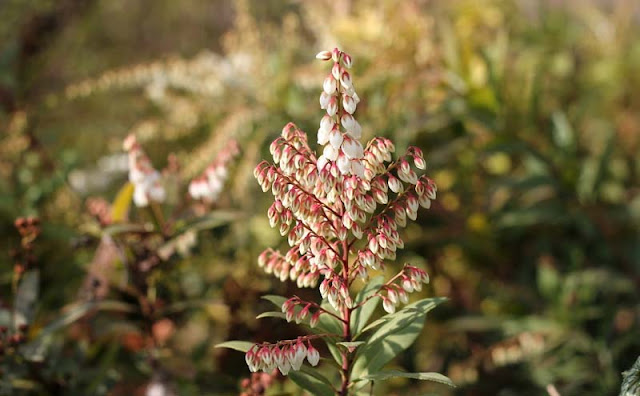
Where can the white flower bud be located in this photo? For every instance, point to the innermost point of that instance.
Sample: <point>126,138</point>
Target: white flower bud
<point>329,85</point>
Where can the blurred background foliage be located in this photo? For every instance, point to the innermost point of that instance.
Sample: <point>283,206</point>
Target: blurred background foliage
<point>528,113</point>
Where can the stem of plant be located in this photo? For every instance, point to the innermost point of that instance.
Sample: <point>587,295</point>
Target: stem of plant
<point>346,315</point>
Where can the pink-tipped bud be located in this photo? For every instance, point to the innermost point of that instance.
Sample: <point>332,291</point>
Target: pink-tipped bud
<point>349,104</point>
<point>315,318</point>
<point>336,71</point>
<point>332,106</point>
<point>388,305</point>
<point>313,356</point>
<point>345,80</point>
<point>419,162</point>
<point>323,55</point>
<point>395,185</point>
<point>392,295</point>
<point>335,54</point>
<point>347,61</point>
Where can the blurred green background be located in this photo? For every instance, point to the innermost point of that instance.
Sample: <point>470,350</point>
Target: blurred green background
<point>528,113</point>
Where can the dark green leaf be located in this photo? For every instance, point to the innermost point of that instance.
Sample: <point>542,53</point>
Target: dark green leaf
<point>311,383</point>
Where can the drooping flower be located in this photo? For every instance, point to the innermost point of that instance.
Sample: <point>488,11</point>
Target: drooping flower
<point>145,179</point>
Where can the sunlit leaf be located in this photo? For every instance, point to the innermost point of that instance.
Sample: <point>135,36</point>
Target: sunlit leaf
<point>435,377</point>
<point>121,204</point>
<point>242,346</point>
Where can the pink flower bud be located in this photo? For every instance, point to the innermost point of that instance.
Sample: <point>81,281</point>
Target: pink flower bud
<point>313,356</point>
<point>324,55</point>
<point>335,54</point>
<point>336,71</point>
<point>313,322</point>
<point>332,106</point>
<point>394,184</point>
<point>388,305</point>
<point>345,80</point>
<point>419,163</point>
<point>346,61</point>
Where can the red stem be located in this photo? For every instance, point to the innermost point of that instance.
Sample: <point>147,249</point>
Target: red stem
<point>346,328</point>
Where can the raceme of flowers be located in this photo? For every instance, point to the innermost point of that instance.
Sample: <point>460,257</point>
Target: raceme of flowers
<point>145,179</point>
<point>340,212</point>
<point>209,185</point>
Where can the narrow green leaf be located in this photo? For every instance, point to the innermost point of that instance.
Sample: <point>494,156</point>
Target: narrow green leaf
<point>241,346</point>
<point>435,377</point>
<point>361,316</point>
<point>271,314</point>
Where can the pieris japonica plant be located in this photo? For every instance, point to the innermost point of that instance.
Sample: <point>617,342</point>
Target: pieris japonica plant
<point>342,212</point>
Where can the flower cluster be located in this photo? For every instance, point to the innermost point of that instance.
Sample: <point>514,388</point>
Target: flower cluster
<point>285,355</point>
<point>145,179</point>
<point>340,211</point>
<point>208,186</point>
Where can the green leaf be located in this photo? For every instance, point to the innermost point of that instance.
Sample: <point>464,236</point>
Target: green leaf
<point>242,346</point>
<point>397,333</point>
<point>350,346</point>
<point>311,382</point>
<point>361,316</point>
<point>272,314</point>
<point>411,307</point>
<point>329,324</point>
<point>26,297</point>
<point>435,377</point>
<point>36,349</point>
<point>275,300</point>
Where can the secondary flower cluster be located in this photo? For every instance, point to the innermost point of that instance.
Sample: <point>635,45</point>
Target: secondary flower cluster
<point>208,186</point>
<point>285,355</point>
<point>145,179</point>
<point>340,211</point>
<point>411,279</point>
